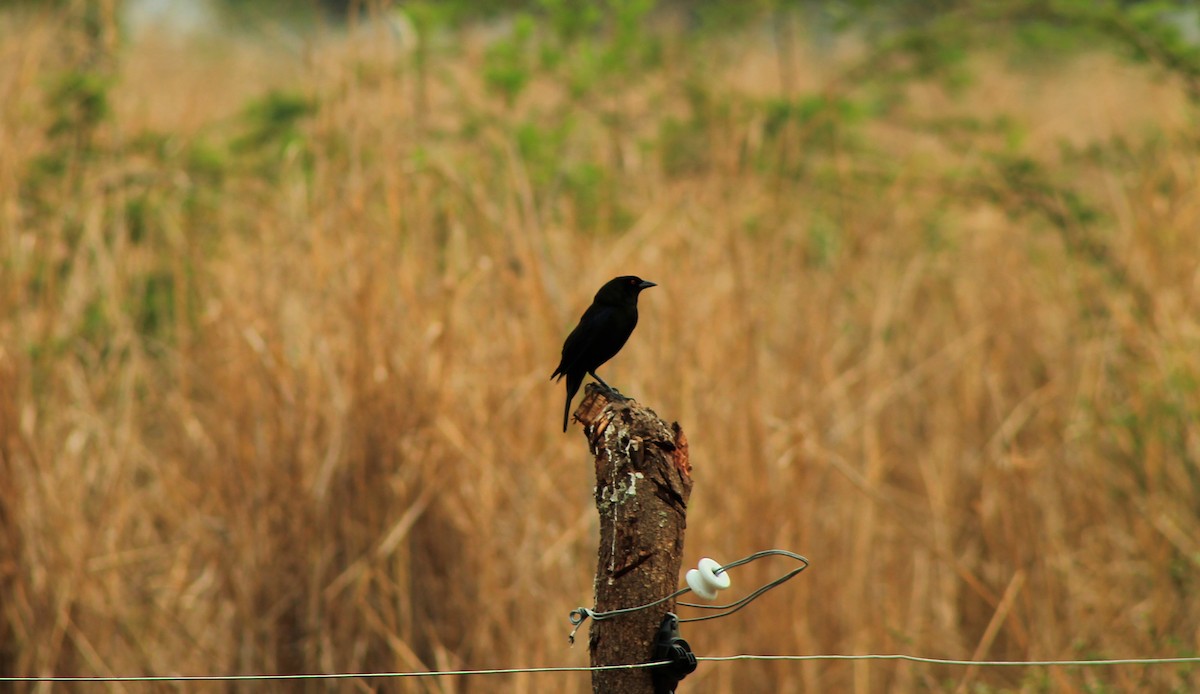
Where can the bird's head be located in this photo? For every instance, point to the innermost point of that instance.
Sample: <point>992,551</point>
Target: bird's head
<point>622,290</point>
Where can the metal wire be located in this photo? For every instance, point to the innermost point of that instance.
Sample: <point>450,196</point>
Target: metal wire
<point>948,661</point>
<point>739,604</point>
<point>580,614</point>
<point>539,670</point>
<point>333,675</point>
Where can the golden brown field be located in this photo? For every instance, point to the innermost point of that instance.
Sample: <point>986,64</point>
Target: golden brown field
<point>274,398</point>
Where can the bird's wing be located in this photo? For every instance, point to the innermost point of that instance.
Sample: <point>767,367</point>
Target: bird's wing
<point>578,342</point>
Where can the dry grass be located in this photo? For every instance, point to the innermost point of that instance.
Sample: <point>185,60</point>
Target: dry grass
<point>337,448</point>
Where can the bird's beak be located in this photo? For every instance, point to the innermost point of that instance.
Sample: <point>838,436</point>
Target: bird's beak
<point>646,284</point>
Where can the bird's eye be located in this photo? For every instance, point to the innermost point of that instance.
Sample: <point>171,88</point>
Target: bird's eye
<point>633,281</point>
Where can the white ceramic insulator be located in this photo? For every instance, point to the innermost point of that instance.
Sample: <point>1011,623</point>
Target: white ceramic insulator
<point>705,581</point>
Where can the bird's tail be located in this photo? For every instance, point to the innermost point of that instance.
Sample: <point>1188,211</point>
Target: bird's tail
<point>573,383</point>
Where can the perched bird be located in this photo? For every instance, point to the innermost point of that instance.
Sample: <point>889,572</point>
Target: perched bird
<point>601,333</point>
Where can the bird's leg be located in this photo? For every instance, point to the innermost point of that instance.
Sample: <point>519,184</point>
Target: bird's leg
<point>607,387</point>
<point>601,381</point>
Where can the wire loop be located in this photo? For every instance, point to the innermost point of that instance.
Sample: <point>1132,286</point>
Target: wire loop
<point>580,614</point>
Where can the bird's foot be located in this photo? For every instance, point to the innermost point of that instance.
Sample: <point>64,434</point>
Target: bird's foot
<point>610,389</point>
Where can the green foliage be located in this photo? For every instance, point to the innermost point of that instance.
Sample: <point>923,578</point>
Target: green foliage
<point>1149,433</point>
<point>824,241</point>
<point>273,122</point>
<point>1143,31</point>
<point>95,328</point>
<point>155,312</point>
<point>78,103</point>
<point>595,197</point>
<point>723,17</point>
<point>571,21</point>
<point>509,63</point>
<point>1147,32</point>
<point>542,147</point>
<point>684,147</point>
<point>821,116</point>
<point>205,161</point>
<point>586,48</point>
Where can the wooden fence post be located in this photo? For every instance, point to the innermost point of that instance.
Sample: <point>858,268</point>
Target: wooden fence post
<point>643,482</point>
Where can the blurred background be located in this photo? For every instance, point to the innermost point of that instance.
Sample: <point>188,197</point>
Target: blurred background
<point>282,284</point>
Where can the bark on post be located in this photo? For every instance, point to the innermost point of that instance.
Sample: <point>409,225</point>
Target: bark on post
<point>643,482</point>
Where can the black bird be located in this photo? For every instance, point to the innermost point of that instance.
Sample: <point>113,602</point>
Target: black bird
<point>601,333</point>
